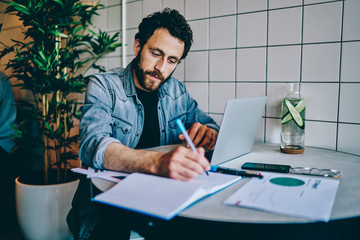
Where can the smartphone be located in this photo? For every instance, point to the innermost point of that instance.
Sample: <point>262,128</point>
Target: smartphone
<point>266,167</point>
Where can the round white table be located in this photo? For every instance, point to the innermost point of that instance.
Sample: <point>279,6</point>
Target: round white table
<point>211,213</point>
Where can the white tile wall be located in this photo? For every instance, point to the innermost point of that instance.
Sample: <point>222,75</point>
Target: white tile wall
<point>220,36</point>
<point>251,64</point>
<point>351,20</point>
<point>113,62</point>
<point>179,72</point>
<point>314,1</point>
<point>349,138</point>
<point>223,7</point>
<point>219,93</point>
<point>284,63</point>
<point>350,70</point>
<point>282,3</point>
<point>249,90</point>
<point>222,65</point>
<point>321,100</point>
<point>197,66</point>
<point>199,91</point>
<point>320,134</point>
<point>101,20</point>
<point>249,6</point>
<point>251,29</point>
<point>129,45</point>
<point>200,34</point>
<point>133,14</point>
<point>234,46</point>
<point>321,62</point>
<point>112,2</point>
<point>175,4</point>
<point>275,93</point>
<point>285,26</point>
<point>273,130</point>
<point>114,18</point>
<point>322,22</point>
<point>349,103</point>
<point>196,9</point>
<point>151,6</point>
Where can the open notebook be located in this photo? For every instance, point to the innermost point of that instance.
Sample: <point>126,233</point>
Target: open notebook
<point>163,197</point>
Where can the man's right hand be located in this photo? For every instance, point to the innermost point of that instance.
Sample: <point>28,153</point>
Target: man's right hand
<point>183,164</point>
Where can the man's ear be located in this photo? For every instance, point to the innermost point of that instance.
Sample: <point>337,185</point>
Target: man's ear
<point>137,47</point>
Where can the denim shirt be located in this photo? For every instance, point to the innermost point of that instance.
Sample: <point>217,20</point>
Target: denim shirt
<point>113,113</point>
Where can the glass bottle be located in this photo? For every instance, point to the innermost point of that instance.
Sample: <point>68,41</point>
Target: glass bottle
<point>293,121</point>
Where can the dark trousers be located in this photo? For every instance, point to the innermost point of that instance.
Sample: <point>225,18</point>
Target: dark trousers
<point>90,221</point>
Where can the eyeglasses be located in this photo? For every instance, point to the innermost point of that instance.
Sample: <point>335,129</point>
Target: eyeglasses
<point>316,172</point>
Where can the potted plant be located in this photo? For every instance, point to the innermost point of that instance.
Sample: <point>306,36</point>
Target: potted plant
<point>51,63</point>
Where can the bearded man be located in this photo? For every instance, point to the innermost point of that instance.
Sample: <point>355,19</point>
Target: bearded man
<point>129,109</point>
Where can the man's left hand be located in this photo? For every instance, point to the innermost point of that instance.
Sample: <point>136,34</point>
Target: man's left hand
<point>201,135</point>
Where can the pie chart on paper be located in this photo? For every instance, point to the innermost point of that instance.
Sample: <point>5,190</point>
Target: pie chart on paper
<point>287,181</point>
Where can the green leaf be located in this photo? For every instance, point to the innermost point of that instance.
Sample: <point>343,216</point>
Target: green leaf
<point>59,129</point>
<point>48,127</point>
<point>42,55</point>
<point>39,63</point>
<point>20,8</point>
<point>60,2</point>
<point>60,34</point>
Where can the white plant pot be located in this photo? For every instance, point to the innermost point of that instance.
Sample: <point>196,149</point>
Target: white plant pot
<point>42,209</point>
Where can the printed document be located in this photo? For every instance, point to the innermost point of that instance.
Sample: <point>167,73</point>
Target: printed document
<point>163,197</point>
<point>294,195</point>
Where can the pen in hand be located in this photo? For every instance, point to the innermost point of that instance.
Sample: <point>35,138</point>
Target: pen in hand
<point>187,137</point>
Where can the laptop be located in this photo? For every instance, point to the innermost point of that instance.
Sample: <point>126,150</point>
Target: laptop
<point>238,129</point>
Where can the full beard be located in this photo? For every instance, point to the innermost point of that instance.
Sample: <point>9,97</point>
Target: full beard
<point>145,77</point>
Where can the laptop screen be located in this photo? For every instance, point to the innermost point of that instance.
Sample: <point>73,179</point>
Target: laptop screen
<point>238,129</point>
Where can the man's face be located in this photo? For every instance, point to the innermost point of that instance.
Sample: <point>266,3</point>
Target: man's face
<point>156,60</point>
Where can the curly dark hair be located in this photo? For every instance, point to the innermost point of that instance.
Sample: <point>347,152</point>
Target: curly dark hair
<point>169,19</point>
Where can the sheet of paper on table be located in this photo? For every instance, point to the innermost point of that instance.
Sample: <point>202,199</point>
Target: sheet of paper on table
<point>112,176</point>
<point>294,195</point>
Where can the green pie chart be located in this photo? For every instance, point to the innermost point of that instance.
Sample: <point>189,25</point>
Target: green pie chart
<point>287,181</point>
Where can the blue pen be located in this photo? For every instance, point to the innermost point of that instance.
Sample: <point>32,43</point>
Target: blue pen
<point>187,137</point>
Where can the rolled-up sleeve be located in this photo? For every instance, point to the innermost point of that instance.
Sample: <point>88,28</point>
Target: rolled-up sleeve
<point>96,124</point>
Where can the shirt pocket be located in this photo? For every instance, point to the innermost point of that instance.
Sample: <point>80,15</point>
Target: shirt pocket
<point>120,128</point>
<point>172,122</point>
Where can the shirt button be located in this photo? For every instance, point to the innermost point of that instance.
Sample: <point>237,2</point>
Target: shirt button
<point>163,130</point>
<point>137,135</point>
